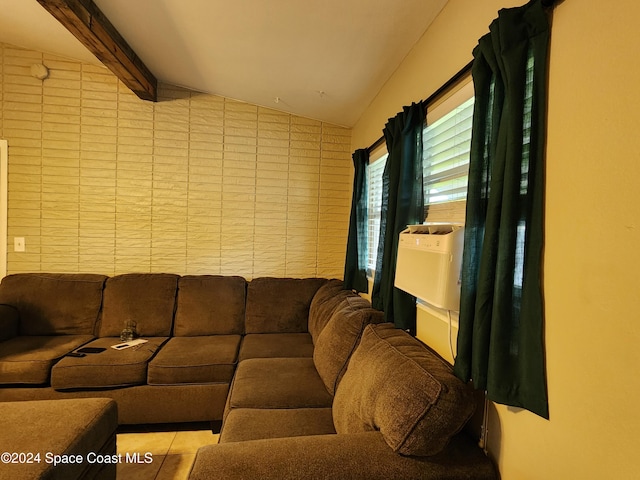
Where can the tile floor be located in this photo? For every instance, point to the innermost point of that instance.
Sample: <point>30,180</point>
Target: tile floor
<point>162,455</point>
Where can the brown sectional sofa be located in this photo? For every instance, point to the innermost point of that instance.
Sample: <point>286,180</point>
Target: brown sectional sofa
<point>307,380</point>
<point>193,324</point>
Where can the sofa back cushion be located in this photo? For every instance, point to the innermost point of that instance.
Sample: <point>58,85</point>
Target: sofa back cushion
<point>396,385</point>
<point>326,300</point>
<point>54,303</point>
<point>340,337</point>
<point>210,305</point>
<point>280,305</point>
<point>145,298</point>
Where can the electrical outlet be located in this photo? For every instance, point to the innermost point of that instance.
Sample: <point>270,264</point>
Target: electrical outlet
<point>18,244</point>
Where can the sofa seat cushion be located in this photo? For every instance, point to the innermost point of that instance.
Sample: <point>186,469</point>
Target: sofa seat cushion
<point>278,383</point>
<point>340,337</point>
<point>210,305</point>
<point>256,423</point>
<point>205,359</point>
<point>398,386</point>
<point>54,303</point>
<point>280,305</point>
<point>59,427</point>
<point>28,360</point>
<point>107,369</point>
<point>363,456</point>
<point>272,345</point>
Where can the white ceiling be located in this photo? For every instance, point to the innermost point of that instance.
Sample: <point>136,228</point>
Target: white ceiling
<point>320,59</point>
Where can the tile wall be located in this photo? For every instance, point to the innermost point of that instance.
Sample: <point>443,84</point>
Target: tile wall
<point>100,181</point>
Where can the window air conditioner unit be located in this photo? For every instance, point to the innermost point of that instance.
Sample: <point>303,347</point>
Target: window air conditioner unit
<point>429,263</point>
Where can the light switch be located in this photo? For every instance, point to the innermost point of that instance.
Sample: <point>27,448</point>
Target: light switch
<point>18,244</point>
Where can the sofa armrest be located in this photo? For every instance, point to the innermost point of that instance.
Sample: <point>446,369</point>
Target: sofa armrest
<point>348,456</point>
<point>8,322</point>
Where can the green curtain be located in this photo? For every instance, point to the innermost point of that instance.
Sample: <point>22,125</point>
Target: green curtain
<point>355,268</point>
<point>402,205</point>
<point>500,340</point>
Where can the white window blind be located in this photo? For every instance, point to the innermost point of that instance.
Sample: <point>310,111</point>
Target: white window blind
<point>447,144</point>
<point>518,276</point>
<point>377,162</point>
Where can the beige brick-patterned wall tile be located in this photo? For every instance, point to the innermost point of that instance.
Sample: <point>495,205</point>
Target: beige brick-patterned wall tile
<point>100,181</point>
<point>22,126</point>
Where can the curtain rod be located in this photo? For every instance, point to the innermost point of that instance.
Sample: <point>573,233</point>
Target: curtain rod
<point>433,97</point>
<point>449,83</point>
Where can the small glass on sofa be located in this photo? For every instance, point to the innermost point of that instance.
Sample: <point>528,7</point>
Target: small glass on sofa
<point>129,331</point>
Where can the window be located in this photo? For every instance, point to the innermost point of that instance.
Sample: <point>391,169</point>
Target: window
<point>377,162</point>
<point>518,276</point>
<point>447,144</point>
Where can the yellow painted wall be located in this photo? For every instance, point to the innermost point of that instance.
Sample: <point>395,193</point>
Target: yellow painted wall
<point>103,182</point>
<point>437,329</point>
<point>592,231</point>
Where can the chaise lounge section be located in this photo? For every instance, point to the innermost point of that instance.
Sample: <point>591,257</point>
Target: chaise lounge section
<point>398,412</point>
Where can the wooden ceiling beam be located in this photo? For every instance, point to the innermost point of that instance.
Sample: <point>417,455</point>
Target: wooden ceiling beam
<point>89,25</point>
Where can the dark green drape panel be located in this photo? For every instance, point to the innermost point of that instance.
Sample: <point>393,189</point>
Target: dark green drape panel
<point>355,267</point>
<point>500,340</point>
<point>402,205</point>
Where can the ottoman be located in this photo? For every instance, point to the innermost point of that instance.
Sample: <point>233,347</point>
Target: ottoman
<point>58,439</point>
